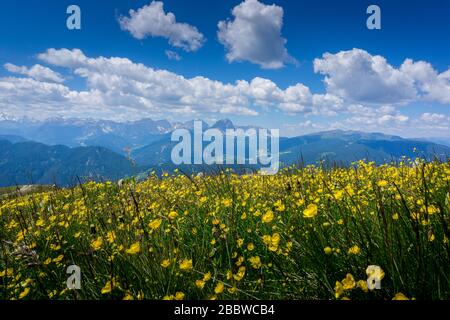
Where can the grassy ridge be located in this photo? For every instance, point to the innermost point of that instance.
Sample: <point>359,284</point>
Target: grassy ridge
<point>307,233</point>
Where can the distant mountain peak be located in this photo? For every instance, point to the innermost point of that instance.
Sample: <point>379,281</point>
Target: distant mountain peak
<point>223,124</point>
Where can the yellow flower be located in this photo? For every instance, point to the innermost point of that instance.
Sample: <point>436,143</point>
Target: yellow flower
<point>232,290</point>
<point>207,276</point>
<point>227,202</point>
<point>255,262</point>
<point>58,258</point>
<point>328,250</point>
<point>431,237</point>
<point>339,194</point>
<point>24,293</point>
<point>155,224</point>
<point>349,282</point>
<point>354,250</point>
<point>165,263</point>
<point>362,285</point>
<point>173,215</point>
<point>240,242</point>
<point>219,288</point>
<point>267,217</point>
<point>382,183</point>
<point>135,248</point>
<point>338,290</point>
<point>240,274</point>
<point>199,284</point>
<point>432,210</point>
<point>272,241</point>
<point>280,206</point>
<point>395,216</point>
<point>250,246</point>
<point>109,286</point>
<point>186,264</point>
<point>239,261</point>
<point>310,211</point>
<point>111,236</point>
<point>179,296</point>
<point>400,296</point>
<point>48,261</point>
<point>55,247</point>
<point>8,272</point>
<point>97,244</point>
<point>128,296</point>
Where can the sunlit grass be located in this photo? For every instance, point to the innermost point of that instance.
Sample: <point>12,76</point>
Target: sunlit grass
<point>307,233</point>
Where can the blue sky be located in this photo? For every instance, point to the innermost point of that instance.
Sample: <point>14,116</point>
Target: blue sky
<point>364,83</point>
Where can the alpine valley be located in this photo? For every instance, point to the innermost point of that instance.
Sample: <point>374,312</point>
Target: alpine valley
<point>65,151</point>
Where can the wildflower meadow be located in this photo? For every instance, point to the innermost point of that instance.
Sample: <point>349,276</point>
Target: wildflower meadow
<point>304,233</point>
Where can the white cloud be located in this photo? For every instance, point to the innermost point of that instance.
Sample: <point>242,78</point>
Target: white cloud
<point>434,122</point>
<point>36,72</point>
<point>362,118</point>
<point>63,57</point>
<point>434,118</point>
<point>396,124</point>
<point>172,55</point>
<point>238,110</point>
<point>358,76</point>
<point>431,85</point>
<point>327,104</point>
<point>114,86</point>
<point>302,128</point>
<point>254,35</point>
<point>372,118</point>
<point>151,20</point>
<point>120,89</point>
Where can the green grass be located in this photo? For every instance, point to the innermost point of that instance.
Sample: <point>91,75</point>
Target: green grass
<point>393,216</point>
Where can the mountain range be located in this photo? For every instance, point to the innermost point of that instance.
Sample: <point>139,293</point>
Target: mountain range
<point>36,163</point>
<point>61,151</point>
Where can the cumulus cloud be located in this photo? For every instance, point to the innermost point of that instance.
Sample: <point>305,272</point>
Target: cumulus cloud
<point>115,85</point>
<point>358,76</point>
<point>238,110</point>
<point>36,72</point>
<point>254,35</point>
<point>433,122</point>
<point>374,119</point>
<point>390,120</point>
<point>151,20</point>
<point>119,89</point>
<point>434,118</point>
<point>431,85</point>
<point>63,57</point>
